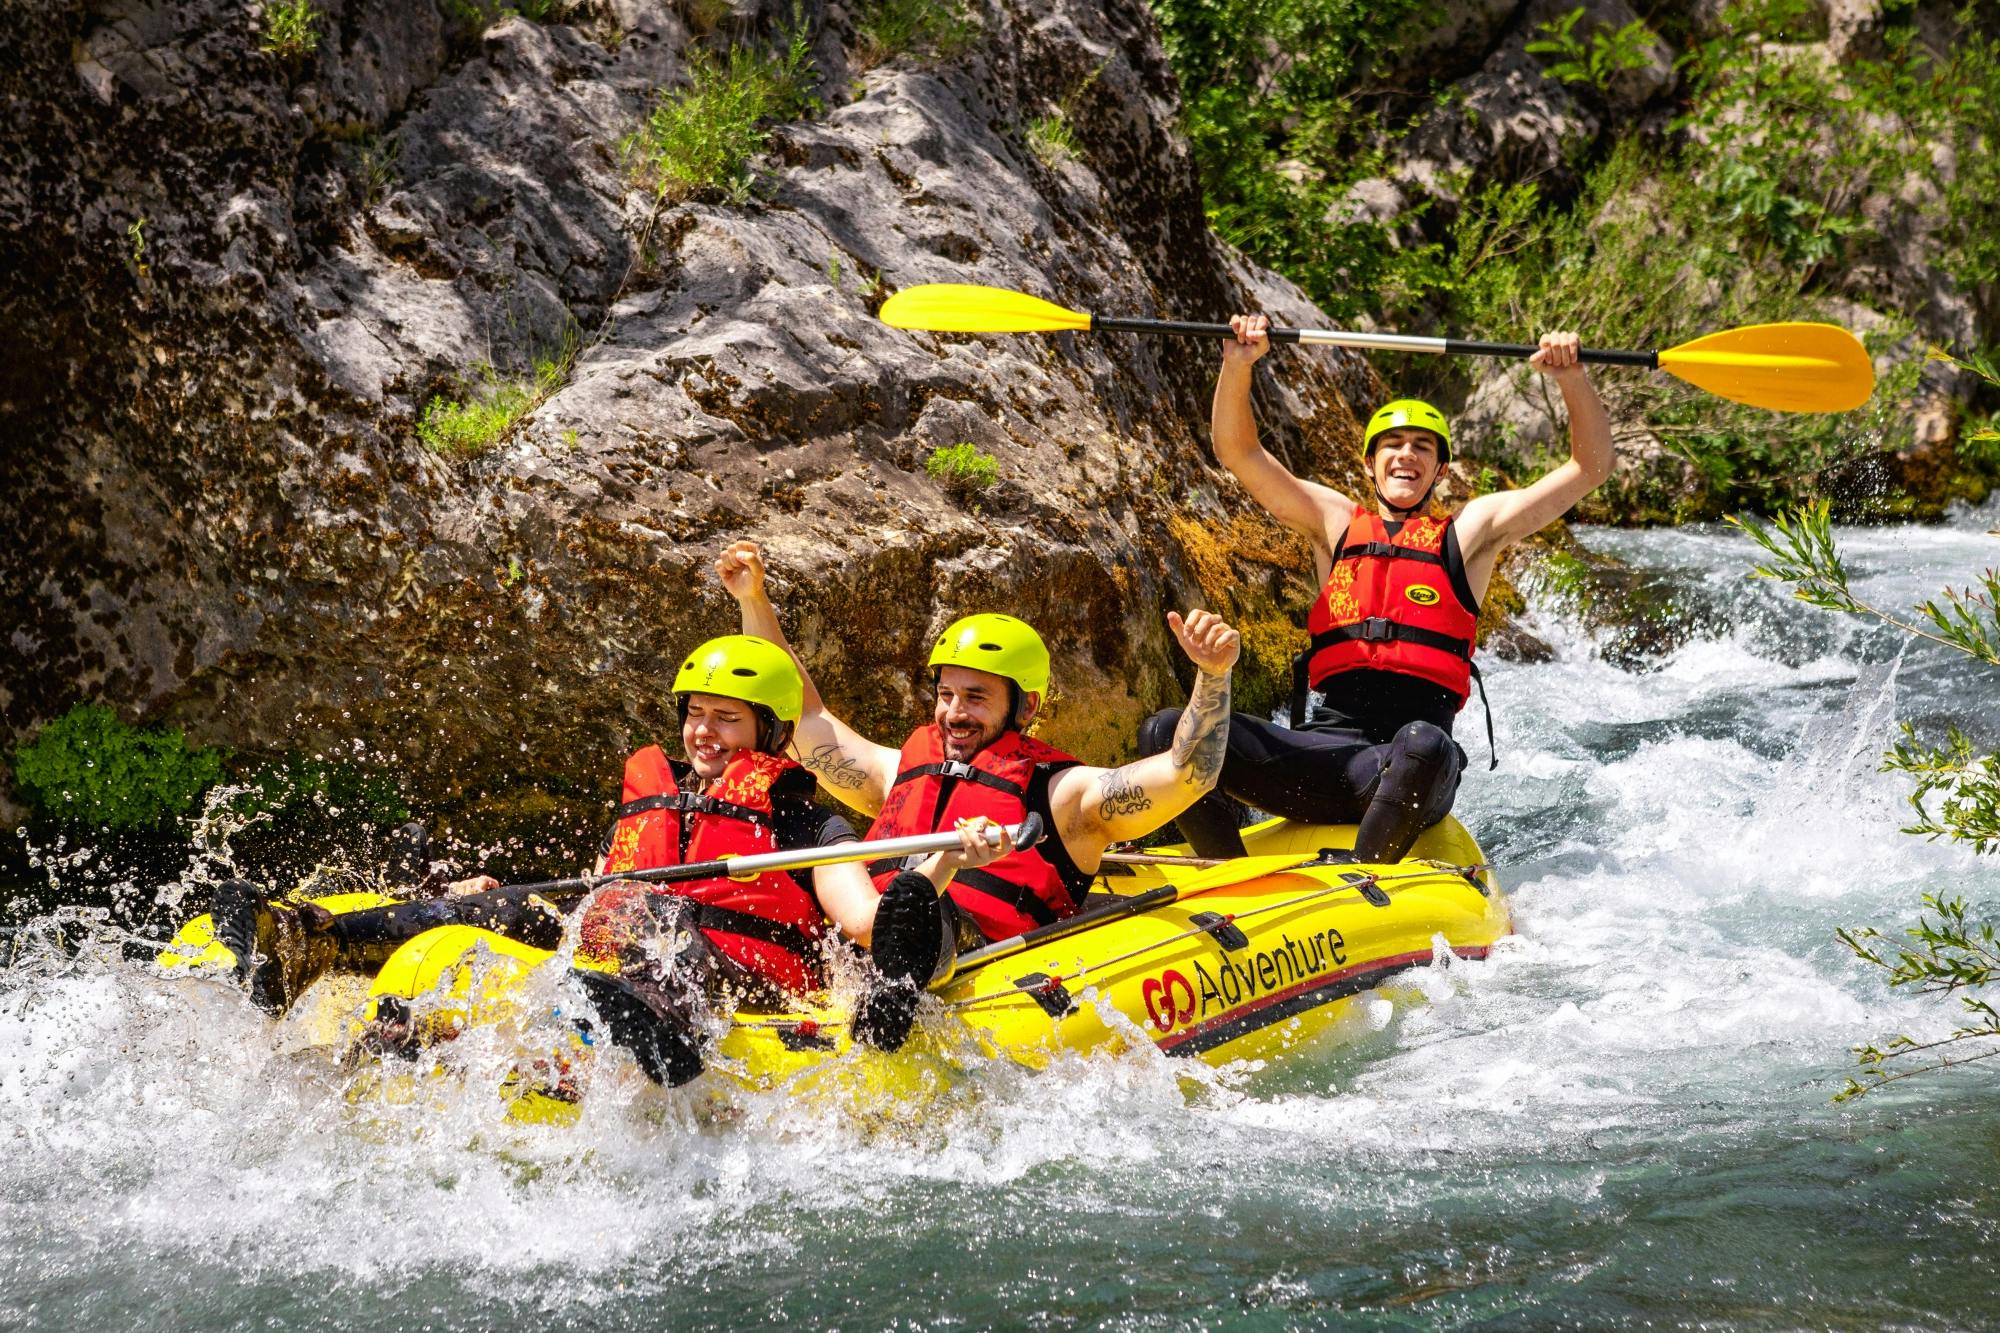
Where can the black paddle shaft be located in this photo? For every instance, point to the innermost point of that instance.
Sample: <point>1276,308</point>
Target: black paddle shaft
<point>1596,356</point>
<point>1383,342</point>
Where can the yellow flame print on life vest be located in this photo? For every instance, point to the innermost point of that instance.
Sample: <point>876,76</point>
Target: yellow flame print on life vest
<point>1423,594</point>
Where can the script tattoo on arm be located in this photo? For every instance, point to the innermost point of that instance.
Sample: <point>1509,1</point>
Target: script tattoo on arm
<point>1202,737</point>
<point>1121,794</point>
<point>835,768</point>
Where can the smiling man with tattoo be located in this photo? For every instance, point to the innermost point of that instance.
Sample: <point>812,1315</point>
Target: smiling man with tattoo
<point>991,673</point>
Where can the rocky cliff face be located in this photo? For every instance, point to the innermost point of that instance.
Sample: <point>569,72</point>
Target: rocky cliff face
<point>233,279</point>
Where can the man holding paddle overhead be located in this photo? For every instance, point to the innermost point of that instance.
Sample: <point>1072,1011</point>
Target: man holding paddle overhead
<point>1394,623</point>
<point>990,674</point>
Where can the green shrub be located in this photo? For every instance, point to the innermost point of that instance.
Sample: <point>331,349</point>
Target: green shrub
<point>291,28</point>
<point>477,423</point>
<point>89,769</point>
<point>1052,139</point>
<point>963,468</point>
<point>928,29</point>
<point>301,789</point>
<point>1598,61</point>
<point>699,139</point>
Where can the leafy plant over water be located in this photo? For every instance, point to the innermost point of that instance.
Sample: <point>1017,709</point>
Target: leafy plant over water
<point>1950,954</point>
<point>90,769</point>
<point>699,139</point>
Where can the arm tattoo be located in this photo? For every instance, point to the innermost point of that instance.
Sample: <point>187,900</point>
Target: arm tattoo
<point>1202,738</point>
<point>1121,795</point>
<point>835,768</point>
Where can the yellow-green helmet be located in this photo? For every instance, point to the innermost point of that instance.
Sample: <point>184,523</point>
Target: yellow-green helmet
<point>1408,412</point>
<point>999,644</point>
<point>739,666</point>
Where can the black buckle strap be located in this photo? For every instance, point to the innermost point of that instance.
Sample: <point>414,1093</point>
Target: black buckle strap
<point>1019,897</point>
<point>953,768</point>
<point>689,802</point>
<point>728,921</point>
<point>1389,551</point>
<point>1376,629</point>
<point>1492,747</point>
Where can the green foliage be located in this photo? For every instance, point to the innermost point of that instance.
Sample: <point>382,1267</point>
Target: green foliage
<point>89,769</point>
<point>1969,783</point>
<point>1803,553</point>
<point>475,16</point>
<point>291,29</point>
<point>928,29</point>
<point>699,140</point>
<point>1052,140</point>
<point>1951,955</point>
<point>136,233</point>
<point>299,790</point>
<point>963,468</point>
<point>472,425</point>
<point>1598,61</point>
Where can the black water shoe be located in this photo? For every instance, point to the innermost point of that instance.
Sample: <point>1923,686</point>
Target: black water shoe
<point>667,1051</point>
<point>907,945</point>
<point>280,949</point>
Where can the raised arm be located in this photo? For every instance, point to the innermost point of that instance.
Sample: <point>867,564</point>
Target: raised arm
<point>1318,513</point>
<point>851,767</point>
<point>1490,524</point>
<point>1095,807</point>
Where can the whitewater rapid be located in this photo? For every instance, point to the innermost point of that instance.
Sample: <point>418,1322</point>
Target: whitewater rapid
<point>1622,1117</point>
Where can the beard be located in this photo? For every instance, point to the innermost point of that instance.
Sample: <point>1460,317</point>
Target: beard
<point>962,751</point>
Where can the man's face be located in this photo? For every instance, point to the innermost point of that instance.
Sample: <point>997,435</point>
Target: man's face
<point>972,709</point>
<point>1405,464</point>
<point>713,728</point>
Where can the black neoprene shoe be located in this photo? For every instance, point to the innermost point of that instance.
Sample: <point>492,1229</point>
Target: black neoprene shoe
<point>232,917</point>
<point>666,1051</point>
<point>905,946</point>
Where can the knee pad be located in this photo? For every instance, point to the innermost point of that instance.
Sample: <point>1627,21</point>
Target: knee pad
<point>1425,744</point>
<point>1156,733</point>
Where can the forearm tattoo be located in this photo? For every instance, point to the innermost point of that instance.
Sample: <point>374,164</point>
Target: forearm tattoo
<point>835,768</point>
<point>1202,737</point>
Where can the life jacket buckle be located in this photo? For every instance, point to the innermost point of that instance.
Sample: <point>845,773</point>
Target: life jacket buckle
<point>1377,629</point>
<point>955,768</point>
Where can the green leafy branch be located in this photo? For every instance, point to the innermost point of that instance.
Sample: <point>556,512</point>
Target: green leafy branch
<point>1598,61</point>
<point>1970,783</point>
<point>1803,554</point>
<point>1950,955</point>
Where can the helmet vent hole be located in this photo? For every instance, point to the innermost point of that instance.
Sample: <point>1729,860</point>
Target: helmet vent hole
<point>990,647</point>
<point>741,671</point>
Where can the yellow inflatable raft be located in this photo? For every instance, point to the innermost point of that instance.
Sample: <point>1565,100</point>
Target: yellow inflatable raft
<point>1220,963</point>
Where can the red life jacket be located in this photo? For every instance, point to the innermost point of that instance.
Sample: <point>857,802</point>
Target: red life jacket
<point>1021,890</point>
<point>769,924</point>
<point>1389,605</point>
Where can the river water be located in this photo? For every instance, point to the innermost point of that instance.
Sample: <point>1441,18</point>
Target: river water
<point>1621,1119</point>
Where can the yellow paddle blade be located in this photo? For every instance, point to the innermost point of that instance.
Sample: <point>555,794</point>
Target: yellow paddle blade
<point>1785,367</point>
<point>961,307</point>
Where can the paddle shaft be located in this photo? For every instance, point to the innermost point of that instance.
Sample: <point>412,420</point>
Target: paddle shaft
<point>1025,834</point>
<point>1379,342</point>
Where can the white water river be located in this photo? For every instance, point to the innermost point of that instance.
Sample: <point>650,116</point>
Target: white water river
<point>1621,1119</point>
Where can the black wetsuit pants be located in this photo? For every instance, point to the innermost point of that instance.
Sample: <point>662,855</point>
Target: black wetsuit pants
<point>1321,775</point>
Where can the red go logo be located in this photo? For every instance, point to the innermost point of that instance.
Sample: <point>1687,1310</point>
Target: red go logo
<point>1169,1000</point>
